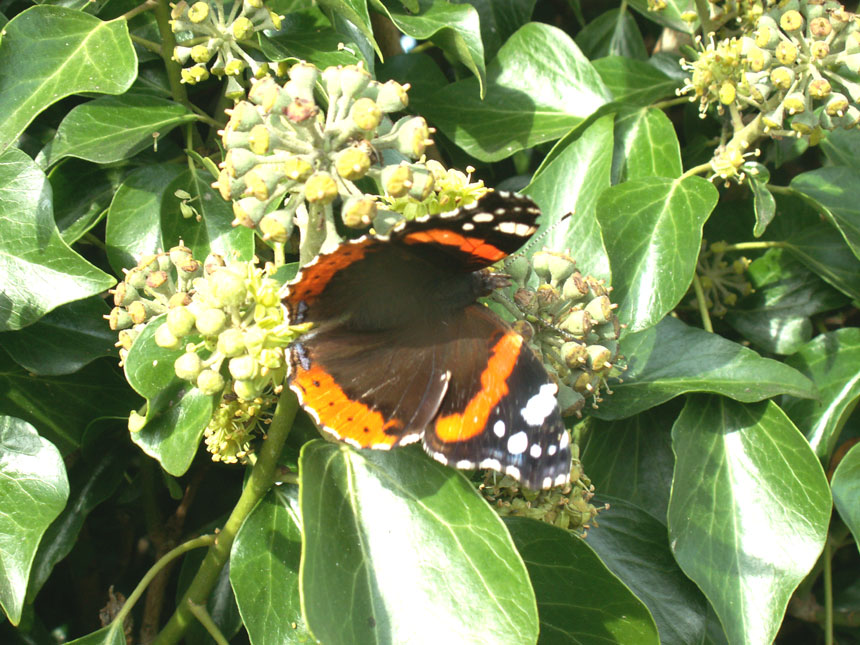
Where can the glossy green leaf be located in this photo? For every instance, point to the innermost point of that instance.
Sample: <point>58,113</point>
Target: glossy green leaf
<point>834,189</point>
<point>635,547</point>
<point>776,316</point>
<point>113,634</point>
<point>842,147</point>
<point>571,183</point>
<point>214,232</point>
<point>749,511</point>
<point>134,219</point>
<point>633,82</point>
<point>612,34</point>
<point>62,407</point>
<point>64,340</point>
<point>38,271</point>
<point>176,411</point>
<point>632,459</point>
<point>454,28</point>
<point>538,87</point>
<point>645,146</point>
<point>832,362</point>
<point>499,19</point>
<point>652,228</point>
<point>112,128</point>
<point>48,53</point>
<point>33,490</point>
<point>264,570</point>
<point>561,567</point>
<point>419,70</point>
<point>92,482</point>
<point>823,250</point>
<point>82,193</point>
<point>356,12</point>
<point>846,491</point>
<point>672,358</point>
<point>669,15</point>
<point>406,550</point>
<point>306,34</point>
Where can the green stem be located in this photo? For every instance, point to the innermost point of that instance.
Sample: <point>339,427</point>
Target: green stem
<point>780,190</point>
<point>707,325</point>
<point>205,619</point>
<point>203,540</point>
<point>155,48</point>
<point>828,594</point>
<point>756,246</point>
<point>697,170</point>
<point>259,482</point>
<point>168,44</point>
<point>678,100</point>
<point>143,6</point>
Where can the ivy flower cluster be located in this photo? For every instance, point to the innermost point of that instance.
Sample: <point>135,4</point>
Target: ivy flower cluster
<point>288,160</point>
<point>213,40</point>
<point>570,322</point>
<point>795,72</point>
<point>722,282</point>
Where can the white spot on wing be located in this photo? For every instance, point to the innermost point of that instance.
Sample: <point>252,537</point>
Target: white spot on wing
<point>541,405</point>
<point>564,441</point>
<point>499,428</point>
<point>552,450</point>
<point>490,463</point>
<point>513,471</point>
<point>535,451</point>
<point>562,479</point>
<point>438,456</point>
<point>546,483</point>
<point>464,464</point>
<point>468,226</point>
<point>518,443</point>
<point>482,218</point>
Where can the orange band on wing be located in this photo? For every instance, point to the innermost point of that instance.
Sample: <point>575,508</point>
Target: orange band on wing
<point>494,385</point>
<point>335,410</point>
<point>315,277</point>
<point>471,245</point>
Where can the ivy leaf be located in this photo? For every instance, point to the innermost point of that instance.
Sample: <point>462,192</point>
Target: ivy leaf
<point>306,34</point>
<point>355,11</point>
<point>64,340</point>
<point>833,189</point>
<point>668,16</point>
<point>633,82</point>
<point>403,546</point>
<point>652,228</point>
<point>454,28</point>
<point>632,459</point>
<point>82,194</point>
<point>571,183</point>
<point>38,270</point>
<point>747,470</point>
<point>33,489</point>
<point>612,34</point>
<point>763,200</point>
<point>635,547</point>
<point>645,146</point>
<point>846,491</point>
<point>832,362</point>
<point>264,570</point>
<point>538,88</point>
<point>822,249</point>
<point>672,358</point>
<point>560,567</point>
<point>110,129</point>
<point>50,52</point>
<point>134,219</point>
<point>176,411</point>
<point>842,147</point>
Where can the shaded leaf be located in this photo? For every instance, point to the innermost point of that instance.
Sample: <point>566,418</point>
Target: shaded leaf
<point>33,490</point>
<point>669,15</point>
<point>355,11</point>
<point>306,34</point>
<point>823,250</point>
<point>538,87</point>
<point>842,147</point>
<point>612,34</point>
<point>38,270</point>
<point>832,362</point>
<point>672,358</point>
<point>64,340</point>
<point>763,201</point>
<point>561,566</point>
<point>264,570</point>
<point>749,511</point>
<point>635,547</point>
<point>633,82</point>
<point>571,183</point>
<point>82,193</point>
<point>48,53</point>
<point>652,228</point>
<point>112,128</point>
<point>833,189</point>
<point>846,491</point>
<point>407,550</point>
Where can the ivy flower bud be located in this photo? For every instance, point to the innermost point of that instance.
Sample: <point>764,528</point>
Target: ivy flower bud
<point>164,338</point>
<point>228,187</point>
<point>782,77</point>
<point>819,88</point>
<point>301,110</point>
<point>366,115</point>
<point>804,123</point>
<point>574,354</point>
<point>795,102</point>
<point>767,33</point>
<point>836,104</point>
<point>422,184</point>
<point>248,390</point>
<point>358,212</point>
<point>577,322</point>
<point>820,27</point>
<point>786,52</point>
<point>320,188</point>
<point>125,294</point>
<point>819,49</point>
<point>353,80</point>
<point>234,67</point>
<point>180,321</point>
<point>210,382</point>
<point>352,163</point>
<point>727,93</point>
<point>210,322</point>
<point>188,366</point>
<point>227,288</point>
<point>297,169</point>
<point>397,180</point>
<point>791,21</point>
<point>198,12</point>
<point>600,309</point>
<point>276,226</point>
<point>248,211</point>
<point>119,319</point>
<point>242,28</point>
<point>200,54</point>
<point>258,139</point>
<point>413,137</point>
<point>238,161</point>
<point>231,343</point>
<point>244,367</point>
<point>303,78</point>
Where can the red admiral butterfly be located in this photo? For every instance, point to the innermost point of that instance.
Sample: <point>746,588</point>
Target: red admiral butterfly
<point>401,350</point>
